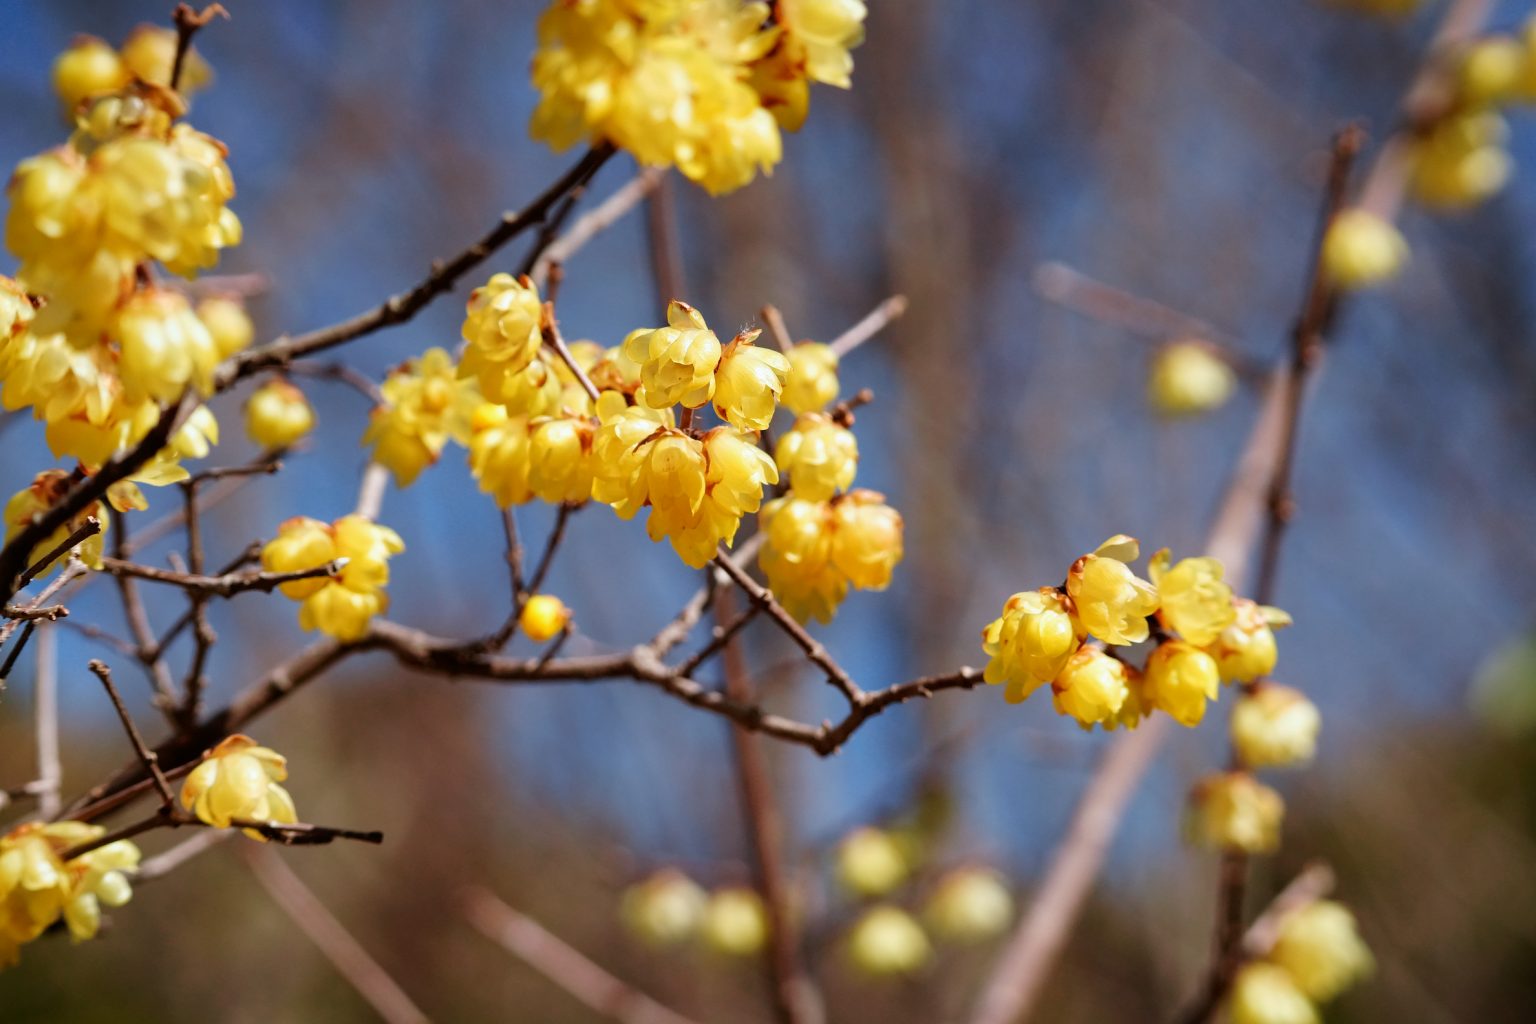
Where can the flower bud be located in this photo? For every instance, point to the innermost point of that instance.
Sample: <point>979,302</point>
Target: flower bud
<point>1361,249</point>
<point>735,922</point>
<point>887,941</point>
<point>1234,811</point>
<point>278,415</point>
<point>812,383</point>
<point>1491,69</point>
<point>1179,679</point>
<point>1265,994</point>
<point>560,459</point>
<point>1189,378</point>
<point>970,905</point>
<point>543,617</point>
<point>1091,688</point>
<point>866,539</point>
<point>228,323</point>
<point>870,862</point>
<point>1274,726</point>
<point>820,457</point>
<point>1246,650</point>
<point>1029,644</point>
<point>748,382</point>
<point>150,53</point>
<point>88,68</point>
<point>1321,949</point>
<point>664,909</point>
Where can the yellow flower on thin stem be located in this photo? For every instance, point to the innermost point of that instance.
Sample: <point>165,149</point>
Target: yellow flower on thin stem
<point>748,382</point>
<point>1091,688</point>
<point>1179,679</point>
<point>1029,644</point>
<point>238,780</point>
<point>677,362</point>
<point>1245,650</point>
<point>277,415</point>
<point>1235,811</point>
<point>543,618</point>
<point>1109,600</point>
<point>1195,603</point>
<point>820,456</point>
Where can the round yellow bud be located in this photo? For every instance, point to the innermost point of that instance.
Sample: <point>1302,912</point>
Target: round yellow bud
<point>560,459</point>
<point>1265,994</point>
<point>1246,649</point>
<point>812,383</point>
<point>164,346</point>
<point>1029,644</point>
<point>278,415</point>
<point>970,905</point>
<point>820,457</point>
<point>1361,249</point>
<point>1189,378</point>
<point>748,382</point>
<point>664,909</point>
<point>735,922</point>
<point>871,862</point>
<point>1110,601</point>
<point>228,323</point>
<point>1091,688</point>
<point>1274,726</point>
<point>1179,679</point>
<point>886,940</point>
<point>88,68</point>
<point>504,322</point>
<point>543,617</point>
<point>797,558</point>
<point>1321,949</point>
<point>1461,161</point>
<point>150,53</point>
<point>866,539</point>
<point>1491,70</point>
<point>1234,811</point>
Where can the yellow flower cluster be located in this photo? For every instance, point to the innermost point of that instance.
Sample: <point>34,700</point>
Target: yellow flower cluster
<point>238,780</point>
<point>815,550</point>
<point>702,85</point>
<point>1204,635</point>
<point>1317,955</point>
<point>38,887</point>
<point>341,605</point>
<point>426,404</point>
<point>91,67</point>
<point>669,908</point>
<point>133,185</point>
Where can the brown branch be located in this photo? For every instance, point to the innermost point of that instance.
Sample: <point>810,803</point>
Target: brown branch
<point>227,585</point>
<point>90,528</point>
<point>556,341</point>
<point>342,374</point>
<point>188,24</point>
<point>876,321</point>
<point>599,219</point>
<point>591,985</point>
<point>147,757</point>
<point>48,613</point>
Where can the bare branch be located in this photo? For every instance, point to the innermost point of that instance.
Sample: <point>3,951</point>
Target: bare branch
<point>227,585</point>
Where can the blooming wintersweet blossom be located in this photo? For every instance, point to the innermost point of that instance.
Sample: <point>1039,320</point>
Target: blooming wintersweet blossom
<point>1111,602</point>
<point>677,362</point>
<point>1274,726</point>
<point>1195,603</point>
<point>238,781</point>
<point>748,382</point>
<point>1091,688</point>
<point>1179,679</point>
<point>1029,644</point>
<point>819,455</point>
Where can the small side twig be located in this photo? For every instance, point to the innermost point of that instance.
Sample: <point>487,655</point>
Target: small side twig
<point>147,757</point>
<point>90,528</point>
<point>50,768</point>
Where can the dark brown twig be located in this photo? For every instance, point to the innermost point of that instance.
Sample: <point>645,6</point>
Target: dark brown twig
<point>147,757</point>
<point>188,24</point>
<point>218,586</point>
<point>90,528</point>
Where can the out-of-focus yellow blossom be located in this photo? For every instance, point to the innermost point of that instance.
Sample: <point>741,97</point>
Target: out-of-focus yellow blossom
<point>340,606</point>
<point>1246,650</point>
<point>38,887</point>
<point>1029,644</point>
<point>667,82</point>
<point>1320,948</point>
<point>560,462</point>
<point>278,415</point>
<point>735,922</point>
<point>1382,8</point>
<point>1275,725</point>
<point>870,862</point>
<point>797,557</point>
<point>45,491</point>
<point>238,780</point>
<point>1265,994</point>
<point>1461,161</point>
<point>886,940</point>
<point>88,68</point>
<point>1188,378</point>
<point>819,33</point>
<point>503,326</point>
<point>1235,811</point>
<point>1179,679</point>
<point>426,405</point>
<point>1361,249</point>
<point>499,454</point>
<point>228,323</point>
<point>970,904</point>
<point>1491,70</point>
<point>748,382</point>
<point>677,362</point>
<point>1109,600</point>
<point>665,908</point>
<point>1091,688</point>
<point>1195,602</point>
<point>866,538</point>
<point>150,53</point>
<point>812,383</point>
<point>543,617</point>
<point>164,347</point>
<point>819,456</point>
<point>194,439</point>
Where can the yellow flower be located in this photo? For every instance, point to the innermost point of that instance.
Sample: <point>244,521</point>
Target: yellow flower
<point>38,887</point>
<point>970,904</point>
<point>1091,688</point>
<point>1110,601</point>
<point>560,467</point>
<point>1246,650</point>
<point>278,415</point>
<point>797,557</point>
<point>1265,994</point>
<point>677,362</point>
<point>820,33</point>
<point>1461,161</point>
<point>164,347</point>
<point>238,781</point>
<point>870,862</point>
<point>664,909</point>
<point>534,390</point>
<point>1137,704</point>
<point>45,491</point>
<point>1321,949</point>
<point>673,476</point>
<point>503,324</point>
<point>228,323</point>
<point>543,617</point>
<point>88,68</point>
<point>1235,811</point>
<point>617,451</point>
<point>425,406</point>
<point>340,606</point>
<point>1029,644</point>
<point>735,922</point>
<point>866,538</point>
<point>1189,378</point>
<point>739,471</point>
<point>150,53</point>
<point>886,940</point>
<point>499,455</point>
<point>1195,602</point>
<point>1274,725</point>
<point>1361,249</point>
<point>1491,69</point>
<point>1179,679</point>
<point>820,457</point>
<point>812,383</point>
<point>748,382</point>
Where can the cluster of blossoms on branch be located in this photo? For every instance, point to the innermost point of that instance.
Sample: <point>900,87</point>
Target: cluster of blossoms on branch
<point>701,85</point>
<point>1316,956</point>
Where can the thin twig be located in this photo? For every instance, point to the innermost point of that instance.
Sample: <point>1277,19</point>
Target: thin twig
<point>227,585</point>
<point>597,220</point>
<point>878,320</point>
<point>147,757</point>
<point>90,528</point>
<point>163,864</point>
<point>342,374</point>
<point>188,23</point>
<point>774,321</point>
<point>50,768</point>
